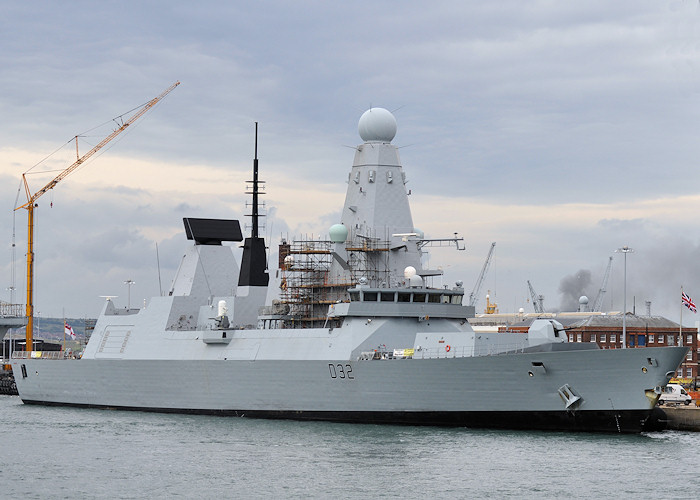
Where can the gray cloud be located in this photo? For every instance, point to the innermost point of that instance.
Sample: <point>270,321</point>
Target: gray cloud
<point>510,103</point>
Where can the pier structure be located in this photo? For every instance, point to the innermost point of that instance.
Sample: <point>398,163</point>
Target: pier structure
<point>11,316</point>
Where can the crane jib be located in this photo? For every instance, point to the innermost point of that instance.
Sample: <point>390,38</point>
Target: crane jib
<point>32,198</point>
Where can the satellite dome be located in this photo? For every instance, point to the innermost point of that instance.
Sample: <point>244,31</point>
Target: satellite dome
<point>583,300</point>
<point>377,125</point>
<point>409,271</point>
<point>338,233</point>
<point>415,281</point>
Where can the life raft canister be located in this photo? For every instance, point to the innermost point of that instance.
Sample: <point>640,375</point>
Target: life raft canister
<point>447,348</point>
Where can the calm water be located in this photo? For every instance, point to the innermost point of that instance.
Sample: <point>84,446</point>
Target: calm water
<point>74,453</point>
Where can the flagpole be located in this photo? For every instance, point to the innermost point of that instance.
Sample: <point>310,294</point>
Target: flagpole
<point>680,328</point>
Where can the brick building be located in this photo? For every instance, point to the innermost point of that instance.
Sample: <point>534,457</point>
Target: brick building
<point>642,331</point>
<point>606,331</point>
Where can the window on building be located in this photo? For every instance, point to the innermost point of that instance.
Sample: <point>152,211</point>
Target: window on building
<point>579,337</point>
<point>571,337</point>
<point>670,339</point>
<point>613,338</point>
<point>689,340</point>
<point>689,372</point>
<point>603,337</point>
<point>592,337</point>
<point>661,339</point>
<point>651,338</point>
<point>689,356</point>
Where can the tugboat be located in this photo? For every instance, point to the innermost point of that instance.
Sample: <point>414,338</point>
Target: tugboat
<point>357,333</point>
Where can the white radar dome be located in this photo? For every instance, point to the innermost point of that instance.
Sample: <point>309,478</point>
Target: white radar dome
<point>377,125</point>
<point>408,272</point>
<point>583,300</point>
<point>338,233</point>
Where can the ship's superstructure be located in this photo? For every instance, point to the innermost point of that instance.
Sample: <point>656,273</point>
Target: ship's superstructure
<point>358,333</point>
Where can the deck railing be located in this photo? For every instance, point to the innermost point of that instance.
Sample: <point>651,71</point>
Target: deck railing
<point>8,310</point>
<point>39,354</point>
<point>445,352</point>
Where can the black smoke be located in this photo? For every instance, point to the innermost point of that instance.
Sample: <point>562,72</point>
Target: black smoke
<point>572,287</point>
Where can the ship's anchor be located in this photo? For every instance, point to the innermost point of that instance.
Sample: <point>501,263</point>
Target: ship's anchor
<point>617,421</point>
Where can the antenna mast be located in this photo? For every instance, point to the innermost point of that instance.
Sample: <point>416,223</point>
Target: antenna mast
<point>254,229</point>
<point>254,259</point>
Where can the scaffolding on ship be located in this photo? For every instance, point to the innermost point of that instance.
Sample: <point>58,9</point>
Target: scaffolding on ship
<point>307,286</point>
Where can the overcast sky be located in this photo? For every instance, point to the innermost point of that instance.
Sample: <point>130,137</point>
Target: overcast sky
<point>560,130</point>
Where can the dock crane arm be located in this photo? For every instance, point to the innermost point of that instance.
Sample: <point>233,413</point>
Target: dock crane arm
<point>474,295</point>
<point>537,300</point>
<point>598,304</point>
<point>82,159</point>
<point>31,204</point>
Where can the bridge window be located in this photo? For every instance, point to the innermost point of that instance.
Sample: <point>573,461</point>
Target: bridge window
<point>418,297</point>
<point>404,297</point>
<point>434,298</point>
<point>369,296</point>
<point>388,297</point>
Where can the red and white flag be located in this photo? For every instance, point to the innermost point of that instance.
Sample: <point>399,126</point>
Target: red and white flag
<point>688,302</point>
<point>69,330</point>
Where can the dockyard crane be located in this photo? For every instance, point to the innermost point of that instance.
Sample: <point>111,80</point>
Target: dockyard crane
<point>537,300</point>
<point>474,295</point>
<point>31,203</point>
<point>598,304</point>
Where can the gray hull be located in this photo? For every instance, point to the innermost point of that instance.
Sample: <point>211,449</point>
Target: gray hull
<point>493,391</point>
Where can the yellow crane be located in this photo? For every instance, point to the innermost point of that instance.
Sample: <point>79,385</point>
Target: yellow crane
<point>31,205</point>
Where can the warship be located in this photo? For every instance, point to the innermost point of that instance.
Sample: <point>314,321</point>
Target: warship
<point>356,332</point>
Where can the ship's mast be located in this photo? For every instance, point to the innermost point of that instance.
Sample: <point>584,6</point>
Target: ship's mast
<point>254,259</point>
<point>254,229</point>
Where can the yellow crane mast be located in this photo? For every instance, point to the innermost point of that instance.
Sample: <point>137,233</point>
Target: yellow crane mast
<point>31,205</point>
